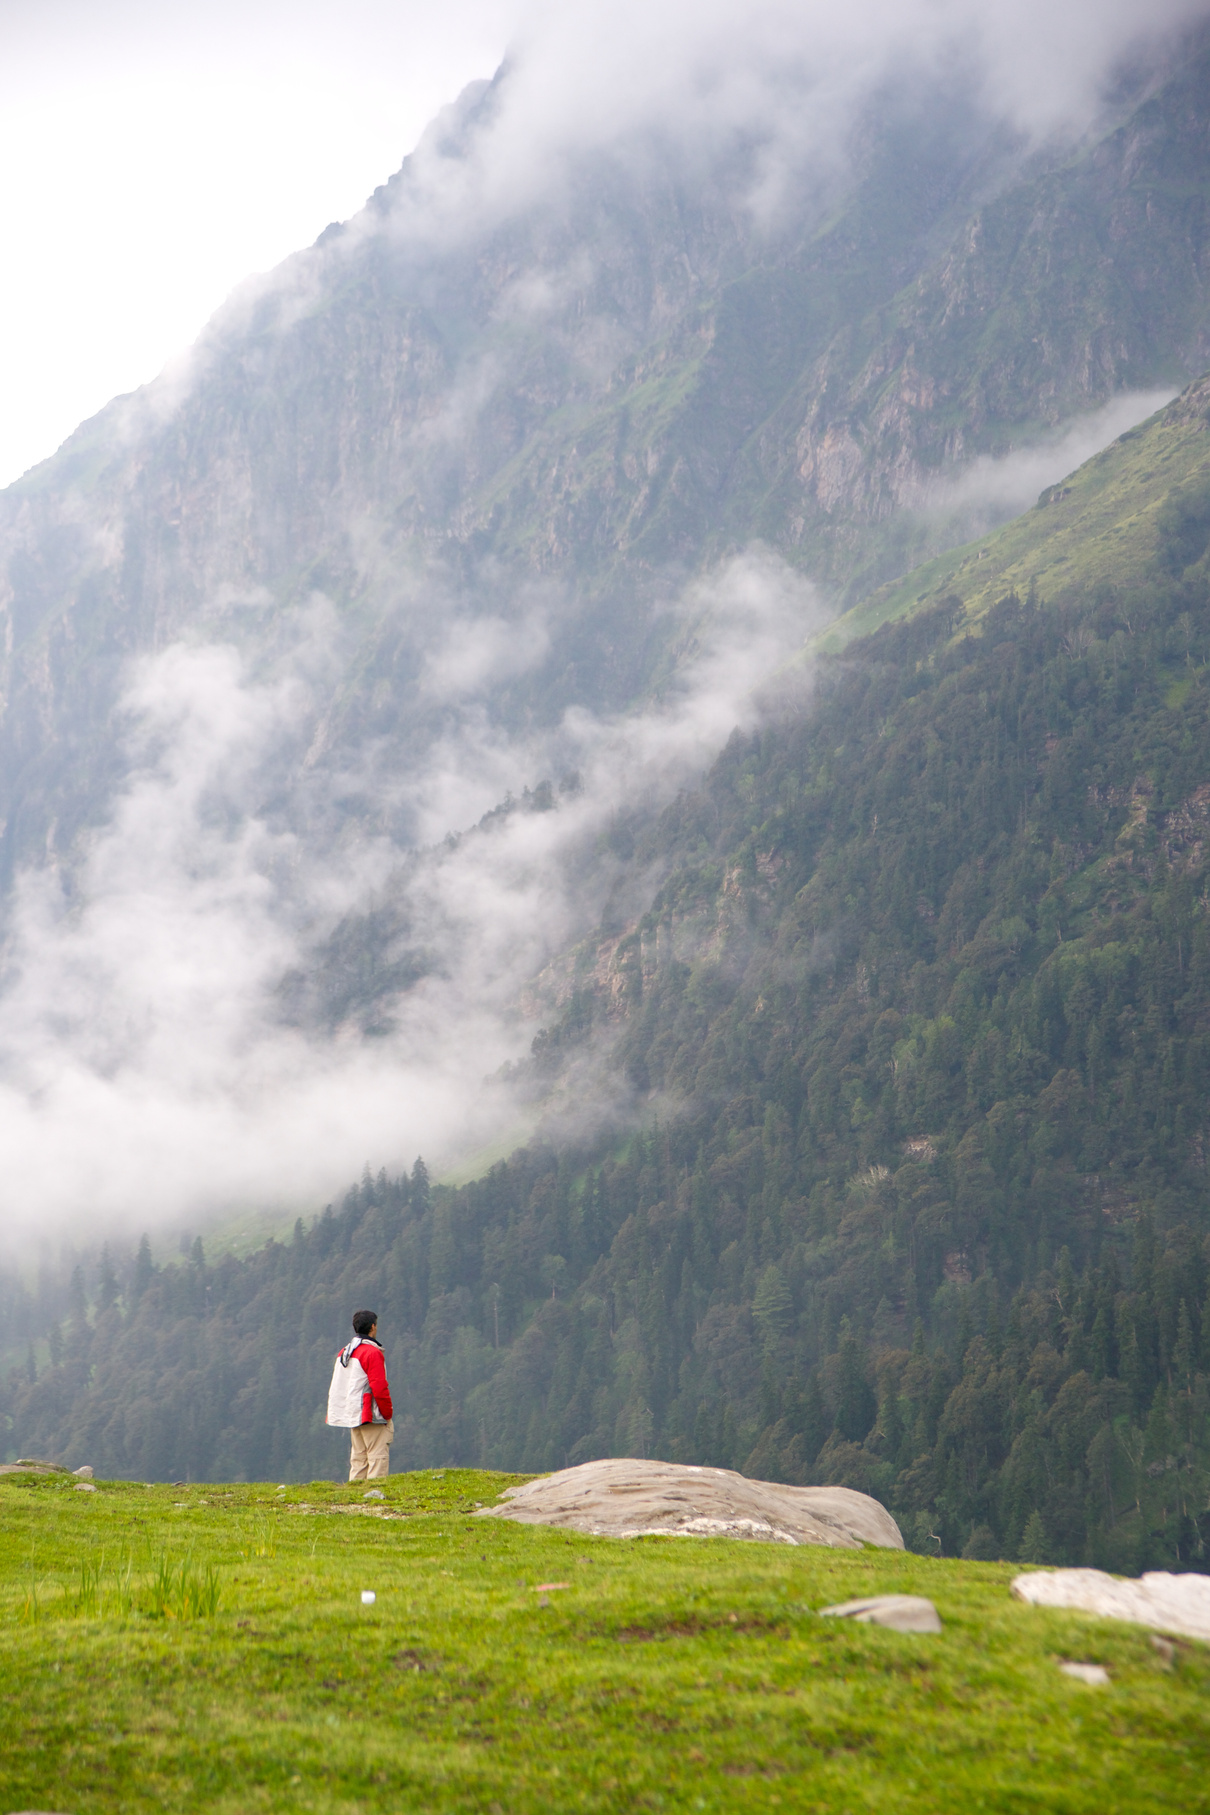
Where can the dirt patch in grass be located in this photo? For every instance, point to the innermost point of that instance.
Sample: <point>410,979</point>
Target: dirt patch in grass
<point>694,1628</point>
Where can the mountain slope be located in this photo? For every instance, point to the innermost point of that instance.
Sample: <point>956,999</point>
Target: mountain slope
<point>830,381</point>
<point>917,1026</point>
<point>1100,527</point>
<point>548,417</point>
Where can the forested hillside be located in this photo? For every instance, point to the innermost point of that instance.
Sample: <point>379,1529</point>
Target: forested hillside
<point>917,1032</point>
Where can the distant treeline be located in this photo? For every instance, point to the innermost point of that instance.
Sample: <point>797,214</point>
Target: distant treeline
<point>1067,1424</point>
<point>930,980</point>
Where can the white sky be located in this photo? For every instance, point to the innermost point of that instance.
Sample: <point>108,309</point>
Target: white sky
<point>152,155</point>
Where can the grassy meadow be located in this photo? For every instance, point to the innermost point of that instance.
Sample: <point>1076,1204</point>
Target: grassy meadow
<point>206,1648</point>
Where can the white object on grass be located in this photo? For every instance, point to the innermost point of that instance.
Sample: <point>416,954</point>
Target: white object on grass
<point>374,1494</point>
<point>1096,1674</point>
<point>368,1597</point>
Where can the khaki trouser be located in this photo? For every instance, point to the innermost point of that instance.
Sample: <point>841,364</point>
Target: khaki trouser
<point>370,1456</point>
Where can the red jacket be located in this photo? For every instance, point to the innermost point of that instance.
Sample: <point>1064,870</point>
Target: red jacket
<point>372,1359</point>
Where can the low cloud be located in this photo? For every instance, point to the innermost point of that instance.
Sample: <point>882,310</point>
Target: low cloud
<point>994,488</point>
<point>477,653</point>
<point>788,83</point>
<point>147,1074</point>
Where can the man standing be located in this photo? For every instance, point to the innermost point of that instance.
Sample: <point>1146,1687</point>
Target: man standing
<point>359,1400</point>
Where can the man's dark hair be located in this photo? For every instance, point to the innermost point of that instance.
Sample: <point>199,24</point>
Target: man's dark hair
<point>363,1322</point>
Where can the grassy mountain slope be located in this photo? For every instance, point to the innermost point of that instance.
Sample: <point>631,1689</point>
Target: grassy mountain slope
<point>1098,528</point>
<point>657,1674</point>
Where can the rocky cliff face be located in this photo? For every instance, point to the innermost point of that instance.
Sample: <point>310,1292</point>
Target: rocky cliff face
<point>1086,279</point>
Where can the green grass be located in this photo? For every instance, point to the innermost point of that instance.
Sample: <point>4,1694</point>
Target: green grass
<point>668,1674</point>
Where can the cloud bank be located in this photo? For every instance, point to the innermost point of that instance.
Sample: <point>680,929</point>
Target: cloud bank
<point>786,79</point>
<point>147,1072</point>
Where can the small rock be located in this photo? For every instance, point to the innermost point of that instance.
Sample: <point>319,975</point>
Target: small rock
<point>898,1612</point>
<point>85,1487</point>
<point>374,1494</point>
<point>1165,1647</point>
<point>83,1474</point>
<point>1096,1674</point>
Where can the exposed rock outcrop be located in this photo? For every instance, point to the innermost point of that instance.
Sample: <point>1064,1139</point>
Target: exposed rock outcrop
<point>624,1497</point>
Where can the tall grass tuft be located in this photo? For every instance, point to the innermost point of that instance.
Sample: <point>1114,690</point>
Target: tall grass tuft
<point>31,1611</point>
<point>179,1591</point>
<point>100,1594</point>
<point>261,1538</point>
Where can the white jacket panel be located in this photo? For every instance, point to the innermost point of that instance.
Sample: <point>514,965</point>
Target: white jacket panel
<point>346,1395</point>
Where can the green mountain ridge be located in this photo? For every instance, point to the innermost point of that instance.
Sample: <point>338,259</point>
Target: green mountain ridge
<point>998,335</point>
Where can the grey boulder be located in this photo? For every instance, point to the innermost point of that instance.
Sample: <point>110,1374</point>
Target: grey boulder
<point>630,1497</point>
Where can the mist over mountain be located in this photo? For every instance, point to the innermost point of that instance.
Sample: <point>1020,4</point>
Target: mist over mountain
<point>344,665</point>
